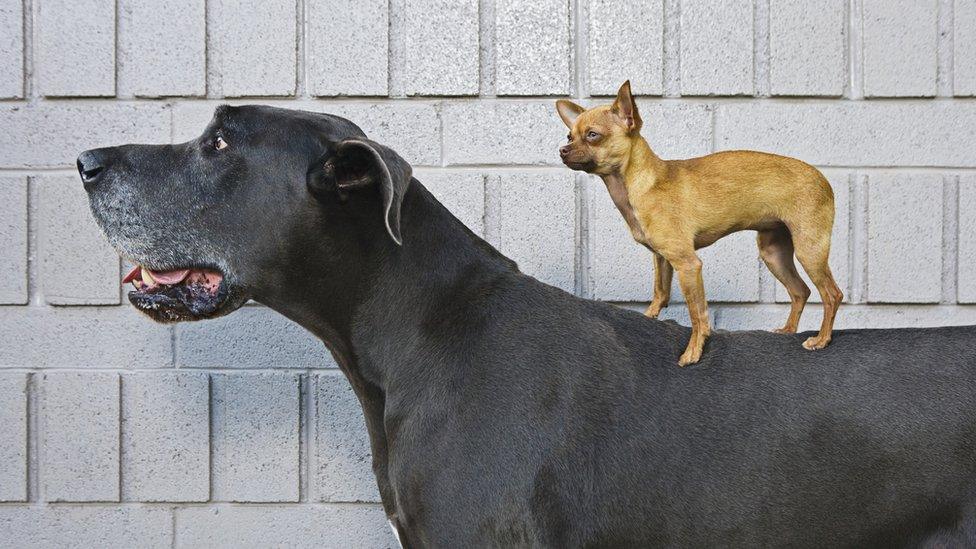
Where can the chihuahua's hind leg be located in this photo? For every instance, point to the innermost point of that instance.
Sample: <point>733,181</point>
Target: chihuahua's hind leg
<point>776,250</point>
<point>662,286</point>
<point>813,251</point>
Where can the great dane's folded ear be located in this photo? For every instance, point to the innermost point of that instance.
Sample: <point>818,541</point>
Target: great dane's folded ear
<point>359,164</point>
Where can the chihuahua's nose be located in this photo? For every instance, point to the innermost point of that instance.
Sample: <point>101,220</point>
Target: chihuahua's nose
<point>564,151</point>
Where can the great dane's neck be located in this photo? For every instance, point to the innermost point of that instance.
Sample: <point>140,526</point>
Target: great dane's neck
<point>432,283</point>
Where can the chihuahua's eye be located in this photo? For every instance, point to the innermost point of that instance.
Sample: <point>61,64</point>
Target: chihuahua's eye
<point>592,136</point>
<point>219,143</point>
<point>569,137</point>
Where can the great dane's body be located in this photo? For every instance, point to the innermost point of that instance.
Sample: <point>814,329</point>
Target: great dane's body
<point>504,412</point>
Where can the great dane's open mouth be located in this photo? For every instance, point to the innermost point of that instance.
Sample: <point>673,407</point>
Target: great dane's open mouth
<point>177,294</point>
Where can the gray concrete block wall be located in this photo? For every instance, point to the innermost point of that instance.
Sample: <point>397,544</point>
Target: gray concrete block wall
<point>75,48</point>
<point>441,47</point>
<point>11,50</point>
<point>162,48</point>
<point>115,431</point>
<point>13,240</point>
<point>717,47</point>
<point>13,437</point>
<point>358,64</point>
<point>900,48</point>
<point>964,43</point>
<point>807,47</point>
<point>626,41</point>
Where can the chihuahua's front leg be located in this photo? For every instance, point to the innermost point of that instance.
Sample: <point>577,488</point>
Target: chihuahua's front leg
<point>662,286</point>
<point>689,269</point>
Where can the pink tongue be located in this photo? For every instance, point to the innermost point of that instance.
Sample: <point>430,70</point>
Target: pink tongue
<point>170,277</point>
<point>132,275</point>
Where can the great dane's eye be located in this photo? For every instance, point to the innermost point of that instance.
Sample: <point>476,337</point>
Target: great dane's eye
<point>219,143</point>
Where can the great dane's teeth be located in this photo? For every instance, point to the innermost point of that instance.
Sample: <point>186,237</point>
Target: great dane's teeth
<point>147,277</point>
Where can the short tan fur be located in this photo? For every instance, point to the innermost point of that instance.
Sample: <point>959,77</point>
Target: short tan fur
<point>674,207</point>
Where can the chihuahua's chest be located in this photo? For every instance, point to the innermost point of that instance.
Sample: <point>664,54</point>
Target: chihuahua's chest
<point>621,199</point>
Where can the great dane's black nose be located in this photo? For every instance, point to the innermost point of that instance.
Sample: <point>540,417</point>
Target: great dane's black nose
<point>91,164</point>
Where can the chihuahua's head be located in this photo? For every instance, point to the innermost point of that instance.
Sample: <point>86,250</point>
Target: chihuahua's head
<point>600,138</point>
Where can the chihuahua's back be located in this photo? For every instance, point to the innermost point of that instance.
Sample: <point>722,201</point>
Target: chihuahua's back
<point>749,190</point>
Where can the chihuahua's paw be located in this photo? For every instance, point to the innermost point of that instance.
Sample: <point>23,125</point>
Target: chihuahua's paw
<point>784,330</point>
<point>690,356</point>
<point>815,343</point>
<point>653,310</point>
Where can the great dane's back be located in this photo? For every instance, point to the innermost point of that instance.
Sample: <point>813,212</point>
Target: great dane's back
<point>602,441</point>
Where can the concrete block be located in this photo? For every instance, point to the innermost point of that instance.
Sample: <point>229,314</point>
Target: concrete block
<point>532,219</point>
<point>79,437</point>
<point>904,228</point>
<point>626,41</point>
<point>319,526</point>
<point>255,437</point>
<point>676,130</point>
<point>964,44</point>
<point>74,48</point>
<point>252,47</point>
<point>716,47</point>
<point>82,337</point>
<point>866,133</point>
<point>52,133</point>
<point>13,437</point>
<point>442,56</point>
<point>502,132</point>
<point>900,43</point>
<point>342,468</point>
<point>77,527</point>
<point>13,240</point>
<point>840,241</point>
<point>461,192</point>
<point>807,46</point>
<point>166,436</point>
<point>11,50</point>
<point>967,240</point>
<point>532,47</point>
<point>253,337</point>
<point>347,45</point>
<point>77,264</point>
<point>162,48</point>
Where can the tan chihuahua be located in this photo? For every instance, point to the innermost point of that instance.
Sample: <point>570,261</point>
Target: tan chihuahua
<point>674,207</point>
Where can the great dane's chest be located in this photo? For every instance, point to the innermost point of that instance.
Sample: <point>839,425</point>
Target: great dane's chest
<point>446,498</point>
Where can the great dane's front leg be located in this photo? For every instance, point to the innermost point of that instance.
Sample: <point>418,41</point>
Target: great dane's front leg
<point>662,286</point>
<point>689,269</point>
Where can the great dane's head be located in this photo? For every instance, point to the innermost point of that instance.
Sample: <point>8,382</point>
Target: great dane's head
<point>217,220</point>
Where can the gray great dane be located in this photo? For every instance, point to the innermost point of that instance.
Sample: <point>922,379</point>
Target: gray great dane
<point>505,412</point>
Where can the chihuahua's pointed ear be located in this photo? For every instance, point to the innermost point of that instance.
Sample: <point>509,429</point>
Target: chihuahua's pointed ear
<point>626,108</point>
<point>362,164</point>
<point>568,111</point>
